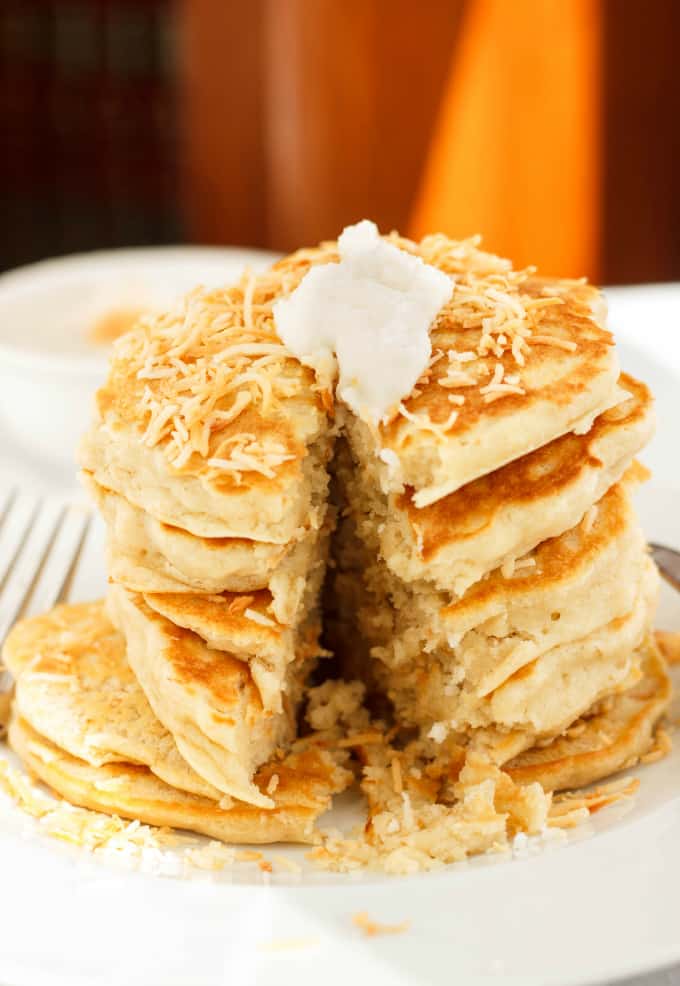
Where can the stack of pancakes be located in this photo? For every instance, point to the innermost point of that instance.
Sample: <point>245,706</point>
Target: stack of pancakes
<point>85,726</point>
<point>490,572</point>
<point>488,582</point>
<point>208,459</point>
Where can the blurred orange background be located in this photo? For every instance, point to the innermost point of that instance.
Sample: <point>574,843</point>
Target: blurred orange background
<point>550,126</point>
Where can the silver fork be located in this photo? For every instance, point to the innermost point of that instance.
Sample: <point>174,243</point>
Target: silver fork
<point>668,562</point>
<point>40,539</point>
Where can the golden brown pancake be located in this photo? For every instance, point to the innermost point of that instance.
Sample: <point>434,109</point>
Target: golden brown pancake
<point>517,361</point>
<point>244,626</point>
<point>147,555</point>
<point>500,517</point>
<point>76,688</point>
<point>305,783</point>
<point>569,613</point>
<point>542,697</point>
<point>612,738</point>
<point>205,698</point>
<point>207,423</point>
<point>559,384</point>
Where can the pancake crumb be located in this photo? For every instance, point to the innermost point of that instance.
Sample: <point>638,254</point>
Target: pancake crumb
<point>214,856</point>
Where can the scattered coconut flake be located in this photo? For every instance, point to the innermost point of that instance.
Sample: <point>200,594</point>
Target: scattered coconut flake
<point>264,621</point>
<point>372,928</point>
<point>438,732</point>
<point>589,518</point>
<point>273,784</point>
<point>214,856</point>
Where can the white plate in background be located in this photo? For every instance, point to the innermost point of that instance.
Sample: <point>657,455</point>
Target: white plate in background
<point>603,906</point>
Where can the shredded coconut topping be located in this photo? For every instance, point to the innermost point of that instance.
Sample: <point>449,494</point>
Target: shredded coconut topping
<point>491,299</point>
<point>207,365</point>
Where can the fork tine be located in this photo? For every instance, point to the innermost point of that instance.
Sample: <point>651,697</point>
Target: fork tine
<point>18,512</point>
<point>63,552</point>
<point>22,575</point>
<point>668,561</point>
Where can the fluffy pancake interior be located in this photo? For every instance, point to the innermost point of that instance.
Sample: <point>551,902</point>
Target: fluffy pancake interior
<point>484,658</point>
<point>497,518</point>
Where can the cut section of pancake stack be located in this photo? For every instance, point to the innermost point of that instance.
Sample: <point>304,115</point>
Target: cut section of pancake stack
<point>488,583</point>
<point>491,576</point>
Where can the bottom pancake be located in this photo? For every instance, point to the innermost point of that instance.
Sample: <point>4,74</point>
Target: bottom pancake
<point>306,782</point>
<point>612,738</point>
<point>74,685</point>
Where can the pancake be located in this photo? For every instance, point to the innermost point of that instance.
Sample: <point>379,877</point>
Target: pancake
<point>536,365</point>
<point>205,698</point>
<point>516,362</point>
<point>611,738</point>
<point>306,780</point>
<point>541,597</point>
<point>542,698</point>
<point>566,589</point>
<point>244,626</point>
<point>146,555</point>
<point>500,517</point>
<point>75,687</point>
<point>208,424</point>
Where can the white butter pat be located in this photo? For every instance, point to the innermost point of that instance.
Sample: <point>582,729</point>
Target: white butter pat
<point>365,319</point>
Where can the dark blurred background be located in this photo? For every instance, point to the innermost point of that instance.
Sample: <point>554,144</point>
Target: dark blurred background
<point>549,125</point>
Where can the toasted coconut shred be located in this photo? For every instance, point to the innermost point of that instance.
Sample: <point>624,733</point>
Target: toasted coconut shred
<point>488,297</point>
<point>372,928</point>
<point>202,366</point>
<point>205,363</point>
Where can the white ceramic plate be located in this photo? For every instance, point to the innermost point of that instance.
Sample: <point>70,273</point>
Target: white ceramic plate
<point>602,906</point>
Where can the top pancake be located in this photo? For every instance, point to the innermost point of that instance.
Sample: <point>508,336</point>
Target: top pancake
<point>207,422</point>
<point>498,518</point>
<point>516,362</point>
